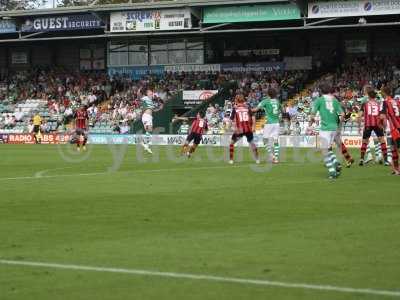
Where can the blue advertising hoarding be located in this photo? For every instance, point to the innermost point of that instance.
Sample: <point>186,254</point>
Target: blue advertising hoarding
<point>60,23</point>
<point>136,72</point>
<point>7,26</point>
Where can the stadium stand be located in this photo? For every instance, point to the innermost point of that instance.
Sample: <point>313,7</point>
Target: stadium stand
<point>114,103</point>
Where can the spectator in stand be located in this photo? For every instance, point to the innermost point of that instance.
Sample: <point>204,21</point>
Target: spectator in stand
<point>19,115</point>
<point>9,122</point>
<point>125,128</point>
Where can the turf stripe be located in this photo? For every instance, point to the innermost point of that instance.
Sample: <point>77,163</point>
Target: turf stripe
<point>205,278</point>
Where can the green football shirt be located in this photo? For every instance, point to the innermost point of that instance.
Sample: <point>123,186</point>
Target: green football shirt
<point>329,109</point>
<point>272,110</point>
<point>147,103</point>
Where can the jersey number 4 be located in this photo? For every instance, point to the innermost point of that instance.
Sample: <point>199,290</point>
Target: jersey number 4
<point>329,106</point>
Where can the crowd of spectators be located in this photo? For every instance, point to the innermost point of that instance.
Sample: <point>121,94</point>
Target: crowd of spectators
<point>116,101</point>
<point>111,99</point>
<point>253,86</point>
<point>348,81</point>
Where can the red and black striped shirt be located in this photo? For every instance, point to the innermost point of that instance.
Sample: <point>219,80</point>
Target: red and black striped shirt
<point>372,111</point>
<point>392,109</point>
<point>198,126</point>
<point>81,117</point>
<point>241,115</point>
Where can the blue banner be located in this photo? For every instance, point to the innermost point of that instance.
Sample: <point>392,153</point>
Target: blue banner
<point>254,67</point>
<point>120,139</point>
<point>7,26</point>
<point>59,23</point>
<point>137,72</point>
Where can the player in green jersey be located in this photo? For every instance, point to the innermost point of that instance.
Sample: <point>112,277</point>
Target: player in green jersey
<point>272,109</point>
<point>148,107</point>
<point>329,110</point>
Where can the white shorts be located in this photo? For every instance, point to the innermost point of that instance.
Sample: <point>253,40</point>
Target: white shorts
<point>271,131</point>
<point>147,120</point>
<point>327,138</point>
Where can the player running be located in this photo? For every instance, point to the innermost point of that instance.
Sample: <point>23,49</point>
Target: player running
<point>81,125</point>
<point>371,112</point>
<point>147,118</point>
<point>244,125</point>
<point>329,110</point>
<point>195,134</point>
<point>272,109</point>
<point>391,108</point>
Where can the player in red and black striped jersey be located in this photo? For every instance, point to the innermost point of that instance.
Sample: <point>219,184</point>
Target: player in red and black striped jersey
<point>81,124</point>
<point>244,125</point>
<point>373,115</point>
<point>392,109</point>
<point>195,134</point>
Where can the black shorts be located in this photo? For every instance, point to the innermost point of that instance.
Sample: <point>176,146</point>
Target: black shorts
<point>80,131</point>
<point>36,128</point>
<point>368,130</point>
<point>249,136</point>
<point>195,137</point>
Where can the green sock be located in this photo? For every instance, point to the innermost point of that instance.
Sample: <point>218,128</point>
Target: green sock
<point>148,138</point>
<point>329,164</point>
<point>378,150</point>
<point>333,158</point>
<point>276,150</point>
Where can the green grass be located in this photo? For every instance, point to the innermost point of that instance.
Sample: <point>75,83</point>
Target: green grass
<point>289,224</point>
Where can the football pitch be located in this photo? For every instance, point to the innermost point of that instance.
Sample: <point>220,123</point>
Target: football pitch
<point>116,223</point>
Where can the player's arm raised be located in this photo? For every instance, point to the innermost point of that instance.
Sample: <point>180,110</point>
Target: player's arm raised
<point>259,107</point>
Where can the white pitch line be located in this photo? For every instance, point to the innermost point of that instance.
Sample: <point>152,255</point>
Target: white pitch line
<point>261,282</point>
<point>120,172</point>
<point>41,173</point>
